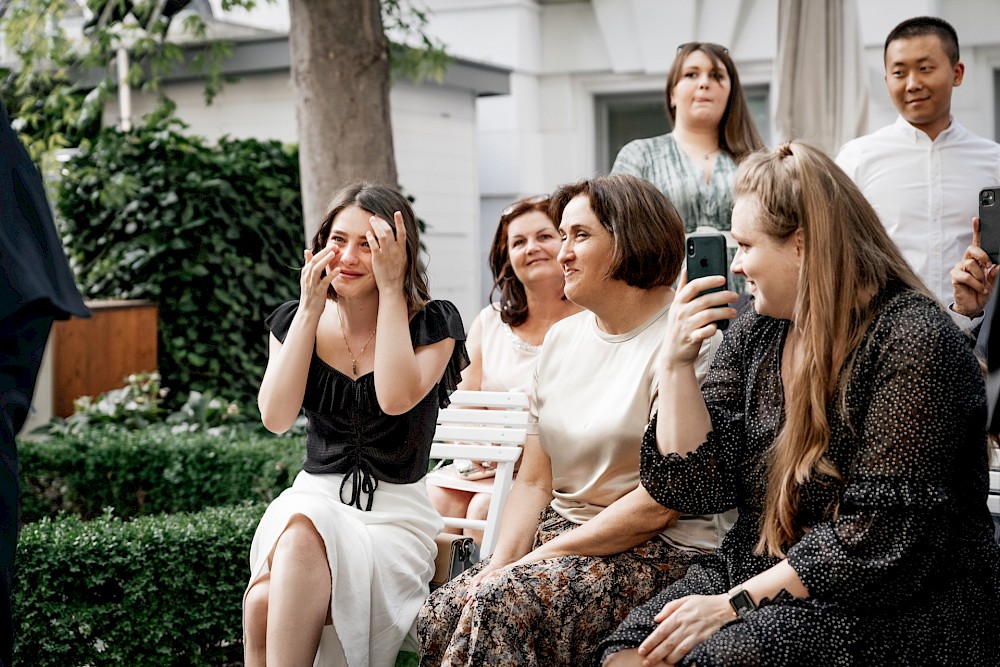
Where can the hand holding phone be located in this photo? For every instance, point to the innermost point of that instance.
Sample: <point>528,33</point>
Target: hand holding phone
<point>706,256</point>
<point>473,470</point>
<point>989,222</point>
<point>973,277</point>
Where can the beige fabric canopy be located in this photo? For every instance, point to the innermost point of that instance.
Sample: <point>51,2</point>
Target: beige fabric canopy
<point>820,80</point>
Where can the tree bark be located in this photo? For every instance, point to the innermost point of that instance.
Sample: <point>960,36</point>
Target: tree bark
<point>340,68</point>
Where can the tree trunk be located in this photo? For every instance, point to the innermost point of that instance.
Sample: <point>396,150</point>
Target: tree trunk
<point>340,67</point>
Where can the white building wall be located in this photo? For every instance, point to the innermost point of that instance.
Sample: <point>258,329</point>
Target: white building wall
<point>593,47</point>
<point>564,54</point>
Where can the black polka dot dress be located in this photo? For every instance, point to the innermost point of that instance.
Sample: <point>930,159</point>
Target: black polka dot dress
<point>898,556</point>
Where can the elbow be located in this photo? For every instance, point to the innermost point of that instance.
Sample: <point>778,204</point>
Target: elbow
<point>394,408</point>
<point>534,483</point>
<point>272,420</point>
<point>276,426</point>
<point>395,404</point>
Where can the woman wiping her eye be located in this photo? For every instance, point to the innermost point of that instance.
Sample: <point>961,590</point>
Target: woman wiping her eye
<point>341,561</point>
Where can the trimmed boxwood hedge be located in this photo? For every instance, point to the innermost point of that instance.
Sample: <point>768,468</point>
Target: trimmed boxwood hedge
<point>159,590</point>
<point>152,471</point>
<point>156,590</point>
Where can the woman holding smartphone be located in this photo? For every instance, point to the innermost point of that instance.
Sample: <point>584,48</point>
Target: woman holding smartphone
<point>506,337</point>
<point>844,418</point>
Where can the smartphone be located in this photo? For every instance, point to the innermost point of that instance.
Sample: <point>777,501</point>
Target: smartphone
<point>707,256</point>
<point>989,222</point>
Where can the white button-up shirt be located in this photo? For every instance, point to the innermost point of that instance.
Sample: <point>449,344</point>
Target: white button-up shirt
<point>925,192</point>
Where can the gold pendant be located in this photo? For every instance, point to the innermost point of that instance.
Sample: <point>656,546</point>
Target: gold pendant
<point>354,367</point>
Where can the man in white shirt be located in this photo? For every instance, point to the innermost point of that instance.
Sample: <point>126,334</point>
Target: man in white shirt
<point>923,173</point>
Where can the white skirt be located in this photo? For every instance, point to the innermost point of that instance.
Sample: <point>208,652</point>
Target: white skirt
<point>380,561</point>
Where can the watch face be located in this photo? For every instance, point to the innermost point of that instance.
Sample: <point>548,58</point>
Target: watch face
<point>742,602</point>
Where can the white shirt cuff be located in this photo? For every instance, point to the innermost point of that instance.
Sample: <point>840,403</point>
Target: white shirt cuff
<point>964,323</point>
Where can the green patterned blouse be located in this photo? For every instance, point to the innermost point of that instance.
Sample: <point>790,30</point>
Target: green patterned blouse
<point>660,161</point>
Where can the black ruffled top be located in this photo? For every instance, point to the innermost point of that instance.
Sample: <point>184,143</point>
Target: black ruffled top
<point>349,433</point>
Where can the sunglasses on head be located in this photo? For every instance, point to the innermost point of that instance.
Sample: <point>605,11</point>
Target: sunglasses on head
<point>522,203</point>
<point>720,47</point>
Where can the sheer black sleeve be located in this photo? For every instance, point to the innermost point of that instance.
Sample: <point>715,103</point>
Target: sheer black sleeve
<point>706,480</point>
<point>921,408</point>
<point>437,321</point>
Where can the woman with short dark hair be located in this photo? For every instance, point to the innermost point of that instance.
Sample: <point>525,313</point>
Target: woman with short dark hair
<point>580,540</point>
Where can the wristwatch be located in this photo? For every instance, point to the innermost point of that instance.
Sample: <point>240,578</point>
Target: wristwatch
<point>741,601</point>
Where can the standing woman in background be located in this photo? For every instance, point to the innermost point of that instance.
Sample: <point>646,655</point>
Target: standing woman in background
<point>506,337</point>
<point>341,561</point>
<point>695,164</point>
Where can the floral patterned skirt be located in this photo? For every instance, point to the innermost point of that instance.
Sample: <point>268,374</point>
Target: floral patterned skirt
<point>549,613</point>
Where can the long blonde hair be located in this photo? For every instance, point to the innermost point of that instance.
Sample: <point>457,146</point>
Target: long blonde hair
<point>848,258</point>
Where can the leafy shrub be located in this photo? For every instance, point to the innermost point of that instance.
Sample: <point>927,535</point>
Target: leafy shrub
<point>211,233</point>
<point>163,590</point>
<point>153,470</point>
<point>137,405</point>
<point>204,412</point>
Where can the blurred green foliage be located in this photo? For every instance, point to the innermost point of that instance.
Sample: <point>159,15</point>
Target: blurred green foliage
<point>211,233</point>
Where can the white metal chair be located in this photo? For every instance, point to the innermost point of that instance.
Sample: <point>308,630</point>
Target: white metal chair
<point>993,500</point>
<point>483,426</point>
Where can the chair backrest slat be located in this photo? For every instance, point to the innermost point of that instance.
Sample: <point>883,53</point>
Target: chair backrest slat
<point>483,417</point>
<point>993,500</point>
<point>511,400</point>
<point>489,426</point>
<point>479,434</point>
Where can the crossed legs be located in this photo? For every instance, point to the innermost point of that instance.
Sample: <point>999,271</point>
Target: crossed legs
<point>284,611</point>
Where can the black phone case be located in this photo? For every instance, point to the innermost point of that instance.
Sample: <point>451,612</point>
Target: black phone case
<point>706,256</point>
<point>989,222</point>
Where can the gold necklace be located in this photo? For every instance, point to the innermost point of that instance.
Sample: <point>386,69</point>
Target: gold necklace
<point>343,332</point>
<point>703,157</point>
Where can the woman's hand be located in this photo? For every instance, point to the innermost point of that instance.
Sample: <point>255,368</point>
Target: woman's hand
<point>683,624</point>
<point>388,252</point>
<point>490,570</point>
<point>313,283</point>
<point>494,568</point>
<point>692,318</point>
<point>972,278</point>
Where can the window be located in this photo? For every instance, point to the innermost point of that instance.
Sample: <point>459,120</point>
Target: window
<point>622,118</point>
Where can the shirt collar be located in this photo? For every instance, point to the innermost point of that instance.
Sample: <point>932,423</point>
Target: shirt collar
<point>903,127</point>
